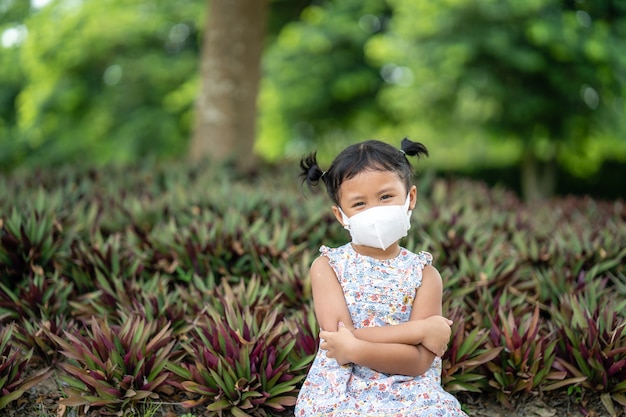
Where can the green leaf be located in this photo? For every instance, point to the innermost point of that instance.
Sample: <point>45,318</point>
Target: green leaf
<point>238,412</point>
<point>619,398</point>
<point>280,402</point>
<point>5,400</point>
<point>607,401</point>
<point>564,383</point>
<point>222,404</point>
<point>178,370</point>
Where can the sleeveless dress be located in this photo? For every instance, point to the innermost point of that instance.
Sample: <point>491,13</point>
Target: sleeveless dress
<point>378,293</point>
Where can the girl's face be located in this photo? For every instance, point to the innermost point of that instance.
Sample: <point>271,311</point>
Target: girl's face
<point>372,188</point>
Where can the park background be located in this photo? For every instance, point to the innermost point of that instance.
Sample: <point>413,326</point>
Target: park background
<point>150,149</point>
<point>524,94</point>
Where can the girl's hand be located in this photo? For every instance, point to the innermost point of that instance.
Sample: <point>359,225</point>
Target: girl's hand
<point>339,344</point>
<point>437,334</point>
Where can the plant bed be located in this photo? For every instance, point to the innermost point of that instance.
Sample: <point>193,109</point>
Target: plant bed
<point>42,401</point>
<point>185,290</point>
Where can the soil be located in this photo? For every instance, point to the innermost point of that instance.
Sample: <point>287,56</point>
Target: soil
<point>42,401</point>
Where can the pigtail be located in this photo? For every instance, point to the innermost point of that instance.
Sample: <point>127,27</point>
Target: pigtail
<point>411,148</point>
<point>310,173</point>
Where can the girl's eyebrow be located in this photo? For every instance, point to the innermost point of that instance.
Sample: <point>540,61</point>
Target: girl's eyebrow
<point>387,190</point>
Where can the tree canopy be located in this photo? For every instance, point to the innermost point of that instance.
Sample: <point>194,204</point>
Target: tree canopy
<point>488,83</point>
<point>101,81</point>
<point>547,74</point>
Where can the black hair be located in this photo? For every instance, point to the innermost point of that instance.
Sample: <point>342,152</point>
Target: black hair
<point>371,154</point>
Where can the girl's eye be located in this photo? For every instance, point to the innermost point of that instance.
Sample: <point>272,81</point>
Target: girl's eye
<point>386,197</point>
<point>360,203</point>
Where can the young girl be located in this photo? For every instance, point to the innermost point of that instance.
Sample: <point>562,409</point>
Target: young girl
<point>378,305</point>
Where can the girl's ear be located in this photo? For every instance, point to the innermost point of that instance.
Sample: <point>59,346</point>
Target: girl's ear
<point>412,197</point>
<point>338,215</point>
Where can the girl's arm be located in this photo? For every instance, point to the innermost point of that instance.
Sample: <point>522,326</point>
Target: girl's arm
<point>426,326</point>
<point>412,332</point>
<point>330,309</point>
<point>389,358</point>
<point>328,300</point>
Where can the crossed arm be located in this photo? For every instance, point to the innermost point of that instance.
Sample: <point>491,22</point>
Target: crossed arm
<point>407,348</point>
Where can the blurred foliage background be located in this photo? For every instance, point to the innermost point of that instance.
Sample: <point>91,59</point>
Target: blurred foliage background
<point>515,92</point>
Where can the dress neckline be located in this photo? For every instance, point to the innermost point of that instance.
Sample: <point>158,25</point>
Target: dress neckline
<point>401,252</point>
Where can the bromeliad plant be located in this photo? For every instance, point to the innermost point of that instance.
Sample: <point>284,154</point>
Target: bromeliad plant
<point>153,298</point>
<point>526,362</point>
<point>289,278</point>
<point>113,369</point>
<point>31,239</point>
<point>112,291</point>
<point>238,363</point>
<point>158,302</point>
<point>210,243</point>
<point>467,354</point>
<point>40,306</point>
<point>38,297</point>
<point>156,243</point>
<point>592,344</point>
<point>13,366</point>
<point>110,257</point>
<point>35,335</point>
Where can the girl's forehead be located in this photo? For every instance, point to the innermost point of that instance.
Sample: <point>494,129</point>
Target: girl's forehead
<point>370,181</point>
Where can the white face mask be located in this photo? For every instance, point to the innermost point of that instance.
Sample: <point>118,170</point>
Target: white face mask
<point>380,226</point>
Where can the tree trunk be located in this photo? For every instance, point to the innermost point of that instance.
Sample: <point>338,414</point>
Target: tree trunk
<point>538,178</point>
<point>225,124</point>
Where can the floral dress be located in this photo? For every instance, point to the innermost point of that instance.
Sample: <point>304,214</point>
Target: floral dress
<point>378,293</point>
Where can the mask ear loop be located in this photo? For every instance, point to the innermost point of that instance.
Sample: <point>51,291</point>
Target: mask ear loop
<point>408,212</point>
<point>346,219</point>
